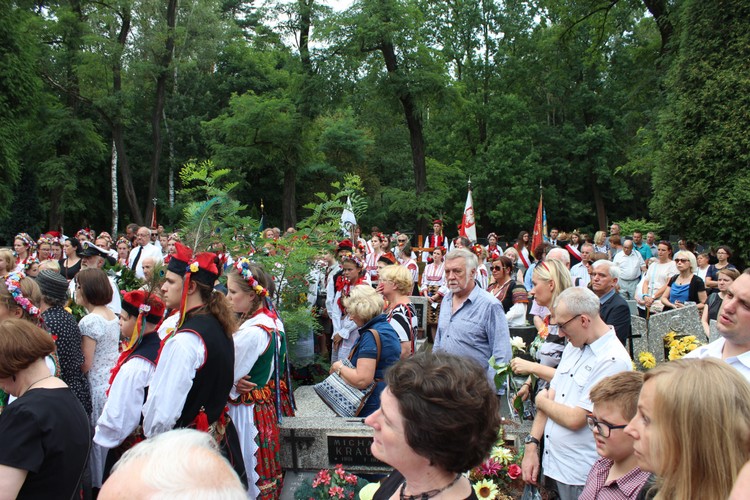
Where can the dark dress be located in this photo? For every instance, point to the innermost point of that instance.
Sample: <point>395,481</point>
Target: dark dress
<point>64,330</point>
<point>393,482</point>
<point>46,432</point>
<point>69,272</point>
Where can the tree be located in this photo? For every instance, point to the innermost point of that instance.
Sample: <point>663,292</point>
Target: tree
<point>701,186</point>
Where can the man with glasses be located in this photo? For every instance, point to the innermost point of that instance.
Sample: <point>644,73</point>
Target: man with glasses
<point>616,473</point>
<point>593,352</point>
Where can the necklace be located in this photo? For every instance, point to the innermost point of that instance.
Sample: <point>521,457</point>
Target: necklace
<point>34,383</point>
<point>427,494</point>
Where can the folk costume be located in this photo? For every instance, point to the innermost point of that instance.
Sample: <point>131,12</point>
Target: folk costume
<point>260,353</point>
<point>342,323</point>
<point>433,278</point>
<point>435,240</point>
<point>493,251</point>
<point>195,371</point>
<point>119,427</point>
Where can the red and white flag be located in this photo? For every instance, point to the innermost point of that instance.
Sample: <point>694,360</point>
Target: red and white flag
<point>468,228</point>
<point>539,229</point>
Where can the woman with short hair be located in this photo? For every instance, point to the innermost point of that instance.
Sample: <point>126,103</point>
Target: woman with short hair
<point>429,460</point>
<point>100,337</point>
<point>365,307</point>
<point>46,432</point>
<point>685,286</point>
<point>395,286</point>
<point>692,428</point>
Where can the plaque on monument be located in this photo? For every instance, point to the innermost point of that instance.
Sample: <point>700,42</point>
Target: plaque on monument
<point>351,450</point>
<point>421,305</point>
<point>682,321</point>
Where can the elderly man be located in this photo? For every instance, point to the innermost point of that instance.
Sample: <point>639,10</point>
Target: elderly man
<point>631,266</point>
<point>472,322</point>
<point>141,249</point>
<point>613,309</point>
<point>580,272</point>
<point>592,353</point>
<point>733,323</point>
<point>93,256</point>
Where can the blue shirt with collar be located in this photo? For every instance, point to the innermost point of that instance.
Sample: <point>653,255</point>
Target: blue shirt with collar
<point>477,330</point>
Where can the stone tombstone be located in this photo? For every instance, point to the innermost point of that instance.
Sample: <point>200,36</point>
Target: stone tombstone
<point>420,304</point>
<point>684,321</point>
<point>639,335</point>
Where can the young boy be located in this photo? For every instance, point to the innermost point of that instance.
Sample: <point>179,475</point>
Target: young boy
<point>615,475</point>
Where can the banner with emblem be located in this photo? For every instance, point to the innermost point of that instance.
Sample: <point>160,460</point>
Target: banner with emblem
<point>468,227</point>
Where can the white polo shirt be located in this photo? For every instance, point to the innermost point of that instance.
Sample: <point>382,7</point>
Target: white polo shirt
<point>568,454</point>
<point>716,349</point>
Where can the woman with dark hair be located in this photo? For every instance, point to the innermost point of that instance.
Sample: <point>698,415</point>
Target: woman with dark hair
<point>344,329</point>
<point>574,248</point>
<point>371,262</point>
<point>259,344</point>
<point>100,330</point>
<point>713,304</point>
<point>657,277</point>
<point>522,247</point>
<point>723,254</point>
<point>46,435</point>
<point>464,422</point>
<point>71,263</point>
<point>511,294</point>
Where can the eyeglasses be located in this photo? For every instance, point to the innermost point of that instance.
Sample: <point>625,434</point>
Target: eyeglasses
<point>401,241</point>
<point>562,326</point>
<point>498,268</point>
<point>603,428</point>
<point>681,260</point>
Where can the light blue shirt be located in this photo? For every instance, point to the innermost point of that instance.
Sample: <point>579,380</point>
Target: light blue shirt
<point>477,330</point>
<point>527,277</point>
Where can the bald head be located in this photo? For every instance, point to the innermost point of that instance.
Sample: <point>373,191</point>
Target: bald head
<point>559,254</point>
<point>143,236</point>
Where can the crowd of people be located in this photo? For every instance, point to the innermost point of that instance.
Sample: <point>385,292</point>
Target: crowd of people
<point>200,345</point>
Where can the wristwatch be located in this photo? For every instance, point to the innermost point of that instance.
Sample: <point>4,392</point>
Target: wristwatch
<point>531,439</point>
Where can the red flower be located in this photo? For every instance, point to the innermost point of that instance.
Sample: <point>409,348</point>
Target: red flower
<point>514,471</point>
<point>336,491</point>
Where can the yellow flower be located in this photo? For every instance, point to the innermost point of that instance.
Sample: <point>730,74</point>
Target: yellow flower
<point>485,489</point>
<point>368,491</point>
<point>647,360</point>
<point>692,347</point>
<point>194,267</point>
<point>503,455</point>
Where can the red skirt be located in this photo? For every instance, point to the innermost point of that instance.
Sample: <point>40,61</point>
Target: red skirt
<point>268,466</point>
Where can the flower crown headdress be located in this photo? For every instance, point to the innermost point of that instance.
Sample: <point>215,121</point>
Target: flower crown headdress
<point>45,240</point>
<point>13,284</point>
<point>243,268</point>
<point>123,239</point>
<point>26,240</point>
<point>353,258</point>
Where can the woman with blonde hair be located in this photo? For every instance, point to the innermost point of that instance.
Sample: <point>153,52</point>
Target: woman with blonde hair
<point>7,261</point>
<point>372,355</point>
<point>395,285</point>
<point>685,286</point>
<point>600,243</point>
<point>692,428</point>
<point>550,278</point>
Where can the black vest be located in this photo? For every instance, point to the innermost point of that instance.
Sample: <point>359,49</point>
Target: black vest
<point>148,349</point>
<point>214,379</point>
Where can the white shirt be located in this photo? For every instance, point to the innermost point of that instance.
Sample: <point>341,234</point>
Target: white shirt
<point>630,265</point>
<point>568,454</point>
<point>582,272</point>
<point>149,250</point>
<point>250,342</point>
<point>180,359</point>
<point>716,350</point>
<point>122,411</point>
<point>659,274</point>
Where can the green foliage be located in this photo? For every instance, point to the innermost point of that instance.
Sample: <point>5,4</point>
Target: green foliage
<point>701,188</point>
<point>627,226</point>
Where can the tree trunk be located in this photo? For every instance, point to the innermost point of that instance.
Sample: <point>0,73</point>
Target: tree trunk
<point>113,178</point>
<point>414,123</point>
<point>289,203</point>
<point>660,10</point>
<point>161,96</point>
<point>601,211</point>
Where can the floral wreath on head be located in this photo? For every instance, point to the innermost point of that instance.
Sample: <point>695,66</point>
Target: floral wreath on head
<point>26,240</point>
<point>45,240</point>
<point>174,237</point>
<point>242,265</point>
<point>88,233</point>
<point>106,236</point>
<point>353,258</point>
<point>13,284</point>
<point>123,239</point>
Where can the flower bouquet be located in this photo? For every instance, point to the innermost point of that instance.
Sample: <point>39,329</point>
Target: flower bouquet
<point>499,476</point>
<point>336,483</point>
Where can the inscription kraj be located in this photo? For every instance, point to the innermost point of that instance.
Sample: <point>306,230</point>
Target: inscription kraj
<point>351,450</point>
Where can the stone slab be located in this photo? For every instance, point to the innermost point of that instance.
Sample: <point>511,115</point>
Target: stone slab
<point>684,321</point>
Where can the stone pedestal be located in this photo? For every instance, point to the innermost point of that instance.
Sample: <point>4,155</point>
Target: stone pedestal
<point>318,439</point>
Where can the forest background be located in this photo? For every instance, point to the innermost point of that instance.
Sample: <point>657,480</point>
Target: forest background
<point>620,108</point>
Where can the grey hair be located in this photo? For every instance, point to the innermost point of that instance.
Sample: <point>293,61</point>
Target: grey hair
<point>462,253</point>
<point>558,253</point>
<point>579,300</point>
<point>185,464</point>
<point>614,269</point>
